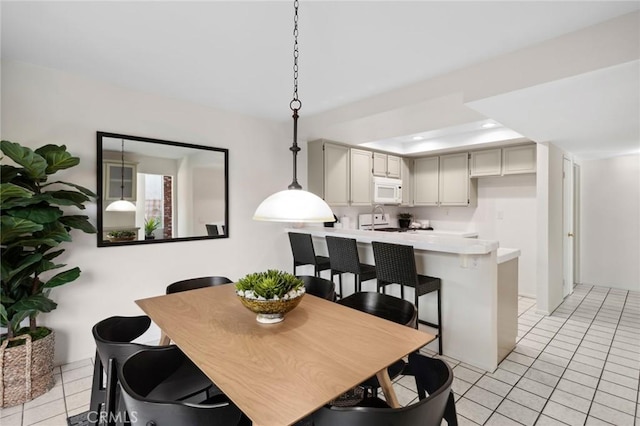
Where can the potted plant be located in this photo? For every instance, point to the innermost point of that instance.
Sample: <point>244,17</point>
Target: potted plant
<point>404,219</point>
<point>32,227</point>
<point>116,236</point>
<point>270,294</point>
<point>151,225</point>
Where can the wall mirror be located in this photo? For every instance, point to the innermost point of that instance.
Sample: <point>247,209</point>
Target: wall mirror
<point>173,191</point>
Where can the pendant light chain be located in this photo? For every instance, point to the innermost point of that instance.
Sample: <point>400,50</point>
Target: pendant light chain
<point>295,103</point>
<point>122,171</point>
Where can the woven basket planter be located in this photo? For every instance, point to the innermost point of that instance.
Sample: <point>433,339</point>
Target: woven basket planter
<point>26,371</point>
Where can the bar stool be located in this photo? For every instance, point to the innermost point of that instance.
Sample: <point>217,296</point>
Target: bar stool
<point>304,254</point>
<point>343,258</point>
<point>396,264</point>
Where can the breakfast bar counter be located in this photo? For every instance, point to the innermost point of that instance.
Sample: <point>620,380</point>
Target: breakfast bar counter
<point>479,288</point>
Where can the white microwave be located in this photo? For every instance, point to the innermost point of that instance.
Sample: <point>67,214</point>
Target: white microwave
<point>387,190</point>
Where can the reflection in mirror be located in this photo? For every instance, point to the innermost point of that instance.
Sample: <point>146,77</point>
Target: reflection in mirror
<point>180,190</point>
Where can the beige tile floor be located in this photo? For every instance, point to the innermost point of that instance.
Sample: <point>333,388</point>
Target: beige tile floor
<point>578,366</point>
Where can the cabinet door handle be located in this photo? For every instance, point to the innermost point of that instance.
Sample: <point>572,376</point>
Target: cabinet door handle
<point>570,234</point>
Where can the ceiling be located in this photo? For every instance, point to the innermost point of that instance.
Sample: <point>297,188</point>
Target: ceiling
<point>238,55</point>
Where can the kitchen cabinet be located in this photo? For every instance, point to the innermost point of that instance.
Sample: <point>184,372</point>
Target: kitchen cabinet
<point>443,181</point>
<point>454,180</point>
<point>386,165</point>
<point>519,159</point>
<point>117,177</point>
<point>360,177</point>
<point>406,165</point>
<point>487,162</point>
<point>328,171</point>
<point>425,181</point>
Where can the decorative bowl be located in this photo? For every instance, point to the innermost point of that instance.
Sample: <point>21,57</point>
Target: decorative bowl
<point>270,311</point>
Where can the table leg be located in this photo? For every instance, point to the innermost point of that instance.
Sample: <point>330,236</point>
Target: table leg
<point>387,388</point>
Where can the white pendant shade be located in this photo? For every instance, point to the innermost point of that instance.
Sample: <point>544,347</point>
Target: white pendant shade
<point>294,205</point>
<point>121,206</point>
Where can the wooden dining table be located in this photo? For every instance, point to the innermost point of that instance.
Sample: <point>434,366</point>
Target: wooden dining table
<point>279,373</point>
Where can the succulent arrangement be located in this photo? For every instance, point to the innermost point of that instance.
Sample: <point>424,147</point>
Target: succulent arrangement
<point>270,285</point>
<point>121,234</point>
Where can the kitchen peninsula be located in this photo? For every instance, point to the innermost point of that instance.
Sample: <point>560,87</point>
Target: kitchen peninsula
<point>479,288</point>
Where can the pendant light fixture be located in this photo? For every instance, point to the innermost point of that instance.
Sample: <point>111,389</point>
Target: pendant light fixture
<point>121,205</point>
<point>294,204</point>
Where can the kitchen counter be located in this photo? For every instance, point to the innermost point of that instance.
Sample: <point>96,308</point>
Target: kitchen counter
<point>506,254</point>
<point>479,288</point>
<point>440,241</point>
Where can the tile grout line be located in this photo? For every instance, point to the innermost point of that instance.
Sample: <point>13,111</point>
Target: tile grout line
<point>573,355</point>
<point>607,356</point>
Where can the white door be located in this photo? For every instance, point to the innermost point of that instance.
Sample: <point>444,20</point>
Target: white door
<point>567,227</point>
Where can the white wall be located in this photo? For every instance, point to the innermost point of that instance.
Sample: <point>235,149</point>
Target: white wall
<point>41,106</point>
<point>610,222</point>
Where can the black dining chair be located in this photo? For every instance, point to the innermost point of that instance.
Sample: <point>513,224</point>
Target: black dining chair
<point>145,372</point>
<point>319,287</point>
<point>191,284</point>
<point>396,264</point>
<point>212,230</point>
<point>114,344</point>
<point>433,377</point>
<point>304,253</point>
<point>343,258</point>
<point>390,308</point>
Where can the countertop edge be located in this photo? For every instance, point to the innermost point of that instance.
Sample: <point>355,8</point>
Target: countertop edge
<point>506,254</point>
<point>443,244</point>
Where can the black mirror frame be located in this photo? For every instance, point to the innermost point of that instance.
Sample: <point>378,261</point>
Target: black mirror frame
<point>100,194</point>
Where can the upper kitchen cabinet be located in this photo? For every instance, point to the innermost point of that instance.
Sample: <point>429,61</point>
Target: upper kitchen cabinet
<point>455,184</point>
<point>407,181</point>
<point>119,182</point>
<point>519,159</point>
<point>328,171</point>
<point>425,181</point>
<point>386,165</point>
<point>443,181</point>
<point>361,179</point>
<point>486,163</point>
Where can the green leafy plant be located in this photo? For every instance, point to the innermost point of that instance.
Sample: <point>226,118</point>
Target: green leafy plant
<point>121,234</point>
<point>405,215</point>
<point>151,225</point>
<point>269,284</point>
<point>33,224</point>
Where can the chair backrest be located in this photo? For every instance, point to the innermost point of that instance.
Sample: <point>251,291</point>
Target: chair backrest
<point>302,248</point>
<point>113,337</point>
<point>343,254</point>
<point>426,412</point>
<point>384,306</point>
<point>212,229</point>
<point>395,263</point>
<point>194,283</point>
<point>320,287</point>
<point>142,372</point>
